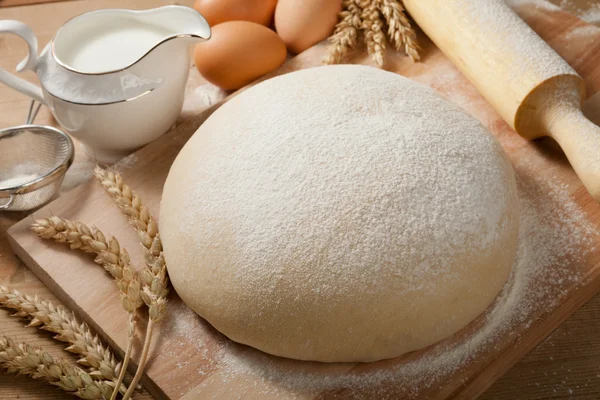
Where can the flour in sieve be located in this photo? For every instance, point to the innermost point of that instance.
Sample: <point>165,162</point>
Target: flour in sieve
<point>19,175</point>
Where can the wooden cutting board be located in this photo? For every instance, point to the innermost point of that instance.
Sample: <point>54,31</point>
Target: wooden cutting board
<point>187,358</point>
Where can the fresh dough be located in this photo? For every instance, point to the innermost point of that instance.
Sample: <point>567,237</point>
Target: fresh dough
<point>339,213</point>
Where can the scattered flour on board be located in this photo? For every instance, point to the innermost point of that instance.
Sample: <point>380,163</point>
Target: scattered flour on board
<point>589,14</point>
<point>581,32</point>
<point>592,15</point>
<point>553,231</point>
<point>127,162</point>
<point>539,4</point>
<point>180,321</point>
<point>200,98</point>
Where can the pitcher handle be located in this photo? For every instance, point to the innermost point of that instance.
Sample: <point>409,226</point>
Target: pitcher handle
<point>30,62</point>
<point>8,203</point>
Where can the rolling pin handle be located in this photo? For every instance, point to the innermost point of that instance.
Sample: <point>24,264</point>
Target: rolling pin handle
<point>580,140</point>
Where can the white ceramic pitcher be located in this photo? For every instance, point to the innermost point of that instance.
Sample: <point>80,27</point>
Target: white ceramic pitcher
<point>114,79</point>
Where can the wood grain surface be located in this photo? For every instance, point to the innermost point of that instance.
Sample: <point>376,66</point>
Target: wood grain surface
<point>566,365</point>
<point>13,3</point>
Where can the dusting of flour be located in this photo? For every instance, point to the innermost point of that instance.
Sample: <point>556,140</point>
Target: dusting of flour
<point>506,33</point>
<point>19,175</point>
<point>539,4</point>
<point>358,202</point>
<point>553,231</point>
<point>553,234</point>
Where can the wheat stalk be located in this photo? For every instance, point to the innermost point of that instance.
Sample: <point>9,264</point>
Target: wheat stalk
<point>154,275</point>
<point>374,37</point>
<point>370,17</point>
<point>346,32</point>
<point>109,253</point>
<point>399,30</point>
<point>45,315</point>
<point>24,359</point>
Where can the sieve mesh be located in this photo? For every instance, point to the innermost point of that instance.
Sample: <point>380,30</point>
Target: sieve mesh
<point>33,161</point>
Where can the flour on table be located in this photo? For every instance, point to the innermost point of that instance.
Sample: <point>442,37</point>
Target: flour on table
<point>126,163</point>
<point>539,4</point>
<point>592,15</point>
<point>589,14</point>
<point>180,321</point>
<point>582,32</point>
<point>202,97</point>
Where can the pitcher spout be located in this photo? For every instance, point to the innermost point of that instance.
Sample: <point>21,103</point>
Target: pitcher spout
<point>178,22</point>
<point>109,41</point>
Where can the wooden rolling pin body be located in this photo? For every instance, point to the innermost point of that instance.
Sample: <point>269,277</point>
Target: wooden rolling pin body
<point>529,84</point>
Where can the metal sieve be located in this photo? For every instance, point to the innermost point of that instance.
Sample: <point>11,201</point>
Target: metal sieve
<point>33,162</point>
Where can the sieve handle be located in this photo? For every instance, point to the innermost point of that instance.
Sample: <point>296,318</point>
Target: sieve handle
<point>8,203</point>
<point>30,62</point>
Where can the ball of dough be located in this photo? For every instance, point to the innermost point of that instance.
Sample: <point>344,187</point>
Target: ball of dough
<point>339,213</point>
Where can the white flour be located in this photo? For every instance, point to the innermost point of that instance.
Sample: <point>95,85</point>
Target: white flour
<point>539,4</point>
<point>582,32</point>
<point>19,175</point>
<point>592,15</point>
<point>126,163</point>
<point>17,180</point>
<point>589,14</point>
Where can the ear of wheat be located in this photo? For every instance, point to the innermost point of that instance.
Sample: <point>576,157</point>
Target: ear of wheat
<point>374,37</point>
<point>24,359</point>
<point>374,18</point>
<point>43,314</point>
<point>154,275</point>
<point>109,253</point>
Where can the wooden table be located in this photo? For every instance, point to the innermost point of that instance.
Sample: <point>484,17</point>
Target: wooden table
<point>566,365</point>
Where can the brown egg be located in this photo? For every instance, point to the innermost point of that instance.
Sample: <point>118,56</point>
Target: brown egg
<point>302,23</point>
<point>217,11</point>
<point>237,53</point>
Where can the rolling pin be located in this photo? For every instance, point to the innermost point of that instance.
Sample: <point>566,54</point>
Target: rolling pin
<point>531,86</point>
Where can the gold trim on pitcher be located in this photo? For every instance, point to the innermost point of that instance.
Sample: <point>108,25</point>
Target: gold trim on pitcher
<point>178,36</point>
